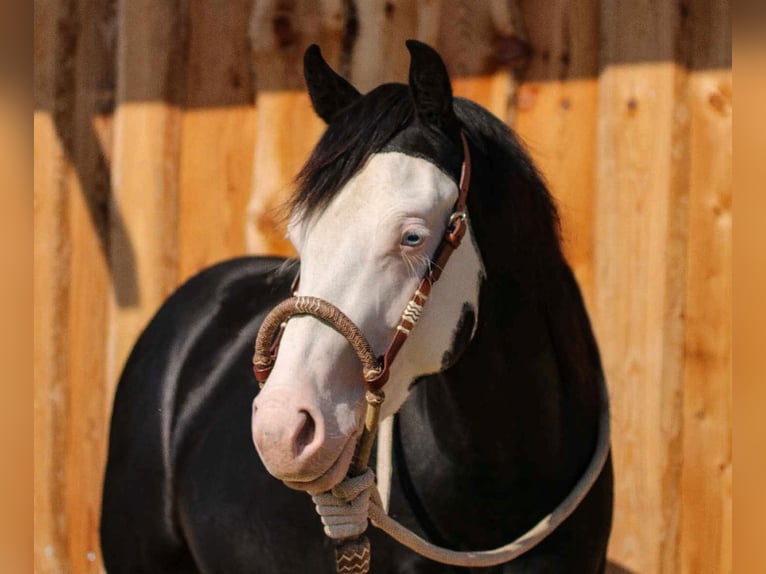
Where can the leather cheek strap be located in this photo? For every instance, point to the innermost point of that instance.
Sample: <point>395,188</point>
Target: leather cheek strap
<point>451,240</point>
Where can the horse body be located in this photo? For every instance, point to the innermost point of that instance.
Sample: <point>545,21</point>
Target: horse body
<point>482,449</point>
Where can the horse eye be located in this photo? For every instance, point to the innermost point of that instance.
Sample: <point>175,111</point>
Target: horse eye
<point>412,239</point>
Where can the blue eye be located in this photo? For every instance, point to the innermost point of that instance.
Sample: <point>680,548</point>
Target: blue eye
<point>412,239</point>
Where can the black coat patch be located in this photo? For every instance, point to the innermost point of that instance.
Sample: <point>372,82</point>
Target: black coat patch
<point>462,336</point>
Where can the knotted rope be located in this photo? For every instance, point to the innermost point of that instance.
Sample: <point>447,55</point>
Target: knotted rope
<point>345,509</point>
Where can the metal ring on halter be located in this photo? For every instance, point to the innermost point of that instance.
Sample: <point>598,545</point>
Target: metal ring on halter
<point>457,215</point>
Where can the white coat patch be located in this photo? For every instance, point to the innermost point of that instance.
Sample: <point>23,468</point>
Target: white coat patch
<point>352,255</point>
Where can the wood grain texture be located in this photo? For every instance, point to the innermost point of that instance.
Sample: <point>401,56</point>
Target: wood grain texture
<point>51,269</point>
<point>626,108</point>
<point>145,177</point>
<point>469,36</point>
<point>638,316</point>
<point>89,281</point>
<point>706,481</point>
<point>706,478</point>
<point>379,54</point>
<point>556,116</point>
<point>217,136</point>
<point>287,128</point>
<point>455,27</point>
<point>640,275</point>
<point>72,283</point>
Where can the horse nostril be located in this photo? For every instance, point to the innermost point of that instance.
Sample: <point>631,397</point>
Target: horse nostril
<point>306,433</point>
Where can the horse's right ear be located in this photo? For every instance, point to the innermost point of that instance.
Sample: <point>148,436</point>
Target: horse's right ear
<point>430,85</point>
<point>329,92</point>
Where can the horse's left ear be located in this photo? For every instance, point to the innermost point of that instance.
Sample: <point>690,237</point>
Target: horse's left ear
<point>329,92</point>
<point>430,85</point>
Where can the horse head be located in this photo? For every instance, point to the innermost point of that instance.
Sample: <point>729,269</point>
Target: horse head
<point>372,206</point>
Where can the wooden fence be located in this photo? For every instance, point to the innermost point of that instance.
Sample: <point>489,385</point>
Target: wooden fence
<point>166,130</point>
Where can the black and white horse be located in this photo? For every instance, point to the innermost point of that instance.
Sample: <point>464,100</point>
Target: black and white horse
<point>496,390</point>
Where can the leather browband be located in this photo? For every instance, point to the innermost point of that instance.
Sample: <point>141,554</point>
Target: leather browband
<point>374,379</point>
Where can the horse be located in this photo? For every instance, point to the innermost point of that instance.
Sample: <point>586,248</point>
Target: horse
<point>494,396</point>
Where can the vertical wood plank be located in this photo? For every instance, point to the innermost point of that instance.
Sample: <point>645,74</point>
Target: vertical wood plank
<point>706,536</point>
<point>73,284</point>
<point>707,393</point>
<point>143,238</point>
<point>51,269</point>
<point>287,128</point>
<point>470,40</point>
<point>467,36</point>
<point>217,141</point>
<point>556,116</point>
<point>379,54</point>
<point>640,273</point>
<point>89,281</point>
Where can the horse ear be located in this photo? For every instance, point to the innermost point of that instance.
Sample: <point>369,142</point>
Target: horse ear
<point>329,92</point>
<point>430,85</point>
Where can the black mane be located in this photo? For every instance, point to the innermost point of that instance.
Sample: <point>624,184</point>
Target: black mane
<point>364,128</point>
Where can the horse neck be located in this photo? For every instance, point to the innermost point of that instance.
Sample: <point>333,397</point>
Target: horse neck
<point>515,402</point>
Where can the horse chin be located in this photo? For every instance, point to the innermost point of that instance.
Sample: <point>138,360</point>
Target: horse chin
<point>332,476</point>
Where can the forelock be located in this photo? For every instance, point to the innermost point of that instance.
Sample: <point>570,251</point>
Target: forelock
<point>364,128</point>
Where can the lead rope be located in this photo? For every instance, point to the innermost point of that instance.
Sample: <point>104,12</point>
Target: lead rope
<point>384,470</point>
<point>524,543</point>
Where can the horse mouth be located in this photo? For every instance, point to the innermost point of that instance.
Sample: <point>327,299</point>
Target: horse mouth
<point>333,475</point>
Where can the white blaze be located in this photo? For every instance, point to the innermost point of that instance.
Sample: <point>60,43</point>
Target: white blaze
<point>352,256</point>
<point>365,253</point>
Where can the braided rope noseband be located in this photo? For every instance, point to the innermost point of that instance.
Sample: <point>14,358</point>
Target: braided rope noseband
<point>328,313</point>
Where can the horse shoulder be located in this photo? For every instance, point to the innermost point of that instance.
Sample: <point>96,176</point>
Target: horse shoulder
<point>139,524</point>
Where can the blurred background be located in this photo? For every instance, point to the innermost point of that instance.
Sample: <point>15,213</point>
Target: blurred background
<point>166,132</point>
